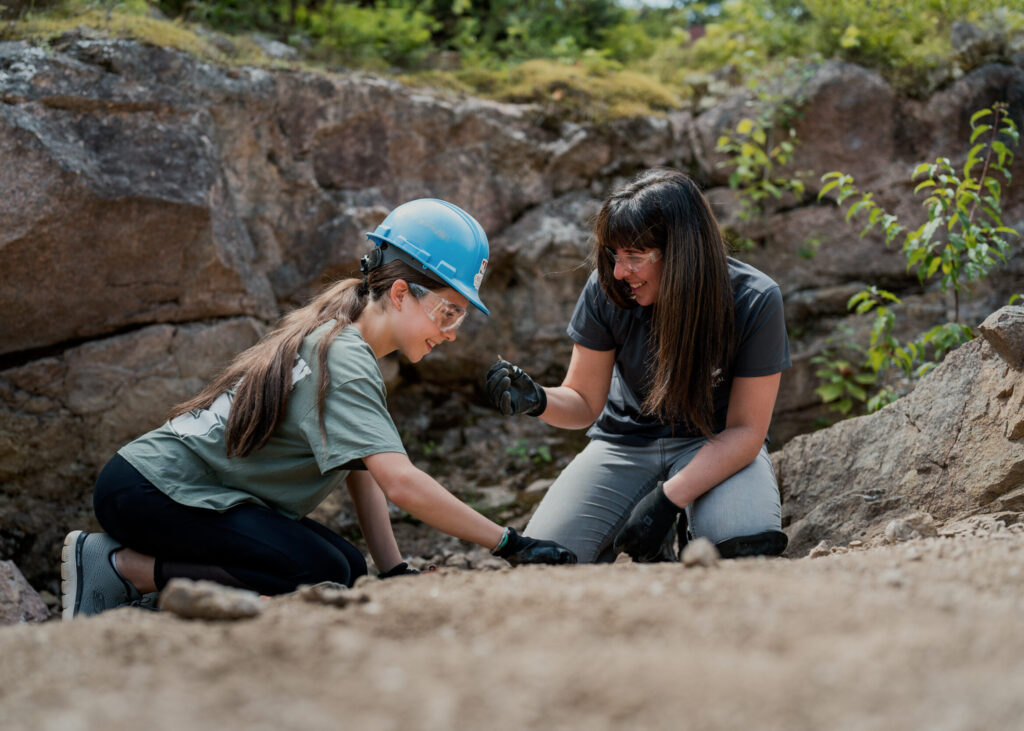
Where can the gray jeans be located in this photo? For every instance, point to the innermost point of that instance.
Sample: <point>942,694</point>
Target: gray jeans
<point>590,501</point>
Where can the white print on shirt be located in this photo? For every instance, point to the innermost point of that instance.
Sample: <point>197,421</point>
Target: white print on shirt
<point>200,422</point>
<point>716,378</point>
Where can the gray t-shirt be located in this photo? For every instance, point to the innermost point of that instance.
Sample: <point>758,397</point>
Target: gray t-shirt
<point>761,348</point>
<point>297,468</point>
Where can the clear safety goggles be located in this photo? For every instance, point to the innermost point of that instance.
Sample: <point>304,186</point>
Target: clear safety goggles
<point>633,262</point>
<point>446,315</point>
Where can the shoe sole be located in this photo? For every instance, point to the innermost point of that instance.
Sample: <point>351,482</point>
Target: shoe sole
<point>70,588</point>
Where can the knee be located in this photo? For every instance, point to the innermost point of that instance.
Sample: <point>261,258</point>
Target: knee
<point>332,566</point>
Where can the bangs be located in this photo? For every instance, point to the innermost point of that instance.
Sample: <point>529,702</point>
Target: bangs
<point>626,228</point>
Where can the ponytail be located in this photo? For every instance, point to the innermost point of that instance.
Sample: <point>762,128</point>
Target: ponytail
<point>262,375</point>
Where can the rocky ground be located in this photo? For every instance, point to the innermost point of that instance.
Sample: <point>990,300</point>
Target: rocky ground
<point>918,634</point>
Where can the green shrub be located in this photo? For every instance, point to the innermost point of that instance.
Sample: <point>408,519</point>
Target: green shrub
<point>369,36</point>
<point>963,240</point>
<point>596,91</point>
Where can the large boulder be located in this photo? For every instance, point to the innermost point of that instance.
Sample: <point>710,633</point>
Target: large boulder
<point>951,448</point>
<point>63,417</point>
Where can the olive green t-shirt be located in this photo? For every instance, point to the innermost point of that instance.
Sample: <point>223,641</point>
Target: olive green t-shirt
<point>297,467</point>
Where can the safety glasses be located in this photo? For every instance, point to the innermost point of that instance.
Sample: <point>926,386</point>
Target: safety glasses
<point>633,262</point>
<point>446,315</point>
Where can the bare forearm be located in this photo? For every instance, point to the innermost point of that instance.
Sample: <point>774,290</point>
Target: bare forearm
<point>725,455</point>
<point>568,409</point>
<point>424,498</point>
<point>374,521</point>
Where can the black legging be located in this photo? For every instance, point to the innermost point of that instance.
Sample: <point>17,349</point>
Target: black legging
<point>249,546</point>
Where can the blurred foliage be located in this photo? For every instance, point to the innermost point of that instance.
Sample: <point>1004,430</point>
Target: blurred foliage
<point>764,141</point>
<point>588,90</point>
<point>565,53</point>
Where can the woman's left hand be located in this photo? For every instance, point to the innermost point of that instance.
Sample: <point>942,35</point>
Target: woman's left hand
<point>644,533</point>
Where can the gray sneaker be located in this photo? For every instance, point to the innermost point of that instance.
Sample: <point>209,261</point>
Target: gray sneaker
<point>89,582</point>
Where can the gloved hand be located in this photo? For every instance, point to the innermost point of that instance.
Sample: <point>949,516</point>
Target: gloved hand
<point>646,527</point>
<point>513,392</point>
<point>401,569</point>
<point>519,549</point>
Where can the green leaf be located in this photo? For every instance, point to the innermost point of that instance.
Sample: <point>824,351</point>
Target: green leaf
<point>979,114</point>
<point>827,187</point>
<point>856,391</point>
<point>829,392</point>
<point>928,230</point>
<point>862,295</point>
<point>981,129</point>
<point>1002,151</point>
<point>864,202</point>
<point>745,126</point>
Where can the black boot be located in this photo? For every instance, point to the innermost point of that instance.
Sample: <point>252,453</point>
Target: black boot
<point>769,543</point>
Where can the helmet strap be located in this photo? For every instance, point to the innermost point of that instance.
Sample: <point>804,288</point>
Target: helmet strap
<point>385,253</point>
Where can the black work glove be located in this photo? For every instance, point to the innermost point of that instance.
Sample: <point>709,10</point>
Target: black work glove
<point>513,392</point>
<point>401,569</point>
<point>520,549</point>
<point>646,527</point>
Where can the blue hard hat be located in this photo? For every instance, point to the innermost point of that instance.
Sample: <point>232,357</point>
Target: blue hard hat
<point>438,237</point>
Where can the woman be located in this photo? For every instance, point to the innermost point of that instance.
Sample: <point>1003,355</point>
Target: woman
<point>220,491</point>
<point>676,362</point>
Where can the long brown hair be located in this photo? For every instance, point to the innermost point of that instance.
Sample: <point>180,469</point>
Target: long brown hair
<point>262,375</point>
<point>692,329</point>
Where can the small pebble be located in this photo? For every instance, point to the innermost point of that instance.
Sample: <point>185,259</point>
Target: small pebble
<point>700,552</point>
<point>824,548</point>
<point>910,527</point>
<point>208,600</point>
<point>331,594</point>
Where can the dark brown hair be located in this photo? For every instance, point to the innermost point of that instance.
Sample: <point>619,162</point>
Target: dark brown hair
<point>692,328</point>
<point>262,375</point>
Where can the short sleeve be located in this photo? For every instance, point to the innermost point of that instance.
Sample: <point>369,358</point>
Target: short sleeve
<point>763,347</point>
<point>589,325</point>
<point>357,425</point>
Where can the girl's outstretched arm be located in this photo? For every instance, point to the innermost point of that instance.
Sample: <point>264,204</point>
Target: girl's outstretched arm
<point>420,495</point>
<point>374,521</point>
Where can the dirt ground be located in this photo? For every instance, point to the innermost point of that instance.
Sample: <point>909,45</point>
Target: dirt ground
<point>925,634</point>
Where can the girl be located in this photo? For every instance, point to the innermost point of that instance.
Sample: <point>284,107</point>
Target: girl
<point>220,491</point>
<point>677,359</point>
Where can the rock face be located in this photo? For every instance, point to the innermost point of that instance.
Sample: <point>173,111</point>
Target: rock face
<point>19,602</point>
<point>952,448</point>
<point>159,213</point>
